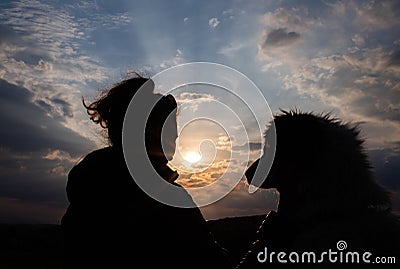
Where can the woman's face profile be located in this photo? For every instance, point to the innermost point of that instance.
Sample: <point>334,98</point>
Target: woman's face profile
<point>169,135</point>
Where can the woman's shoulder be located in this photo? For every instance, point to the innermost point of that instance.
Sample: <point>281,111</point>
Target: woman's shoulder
<point>95,171</point>
<point>102,153</point>
<point>99,156</point>
<point>96,163</point>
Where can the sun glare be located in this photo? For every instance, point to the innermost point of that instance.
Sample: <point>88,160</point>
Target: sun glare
<point>192,157</point>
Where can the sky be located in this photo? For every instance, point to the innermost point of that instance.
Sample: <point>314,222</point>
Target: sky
<point>341,57</point>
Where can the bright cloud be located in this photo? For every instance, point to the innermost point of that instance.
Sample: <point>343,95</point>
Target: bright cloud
<point>213,22</point>
<point>356,79</point>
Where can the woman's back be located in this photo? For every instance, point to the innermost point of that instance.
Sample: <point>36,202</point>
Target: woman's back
<point>111,221</point>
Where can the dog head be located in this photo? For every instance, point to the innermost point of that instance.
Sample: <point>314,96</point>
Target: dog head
<point>319,161</point>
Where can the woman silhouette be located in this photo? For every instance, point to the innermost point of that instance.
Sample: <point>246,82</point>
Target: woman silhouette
<point>110,222</point>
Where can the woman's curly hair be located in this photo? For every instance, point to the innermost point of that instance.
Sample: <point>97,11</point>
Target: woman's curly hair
<point>110,107</point>
<point>119,95</point>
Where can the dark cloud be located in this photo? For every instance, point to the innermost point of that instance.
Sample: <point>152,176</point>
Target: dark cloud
<point>17,211</point>
<point>280,37</point>
<point>28,51</point>
<point>66,107</point>
<point>45,106</point>
<point>394,59</point>
<point>36,153</point>
<point>7,35</point>
<point>364,83</point>
<point>383,107</point>
<point>27,127</point>
<point>386,163</point>
<point>252,146</point>
<point>31,56</point>
<point>29,178</point>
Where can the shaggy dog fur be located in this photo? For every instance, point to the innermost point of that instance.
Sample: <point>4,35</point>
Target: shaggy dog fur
<point>328,192</point>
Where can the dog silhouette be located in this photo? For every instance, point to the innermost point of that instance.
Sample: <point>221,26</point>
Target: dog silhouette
<point>329,196</point>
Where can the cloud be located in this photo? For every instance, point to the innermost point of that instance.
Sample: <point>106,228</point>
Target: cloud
<point>213,22</point>
<point>7,35</point>
<point>228,12</point>
<point>30,128</point>
<point>282,30</point>
<point>231,49</point>
<point>18,211</point>
<point>252,146</point>
<point>358,40</point>
<point>176,59</point>
<point>361,86</point>
<point>59,155</point>
<point>362,83</point>
<point>56,107</point>
<point>184,97</point>
<point>366,16</point>
<point>192,100</point>
<point>394,60</point>
<point>376,15</point>
<point>43,52</point>
<point>279,38</point>
<point>36,153</point>
<point>44,26</point>
<point>29,178</point>
<point>385,162</point>
<point>337,65</point>
<point>59,170</point>
<point>223,143</point>
<point>296,19</point>
<point>91,17</point>
<point>346,68</point>
<point>205,176</point>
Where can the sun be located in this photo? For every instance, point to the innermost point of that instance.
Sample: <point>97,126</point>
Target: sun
<point>192,157</point>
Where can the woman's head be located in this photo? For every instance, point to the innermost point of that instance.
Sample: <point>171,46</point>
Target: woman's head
<point>110,108</point>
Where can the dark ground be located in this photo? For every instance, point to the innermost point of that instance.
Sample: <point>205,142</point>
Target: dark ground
<point>39,246</point>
